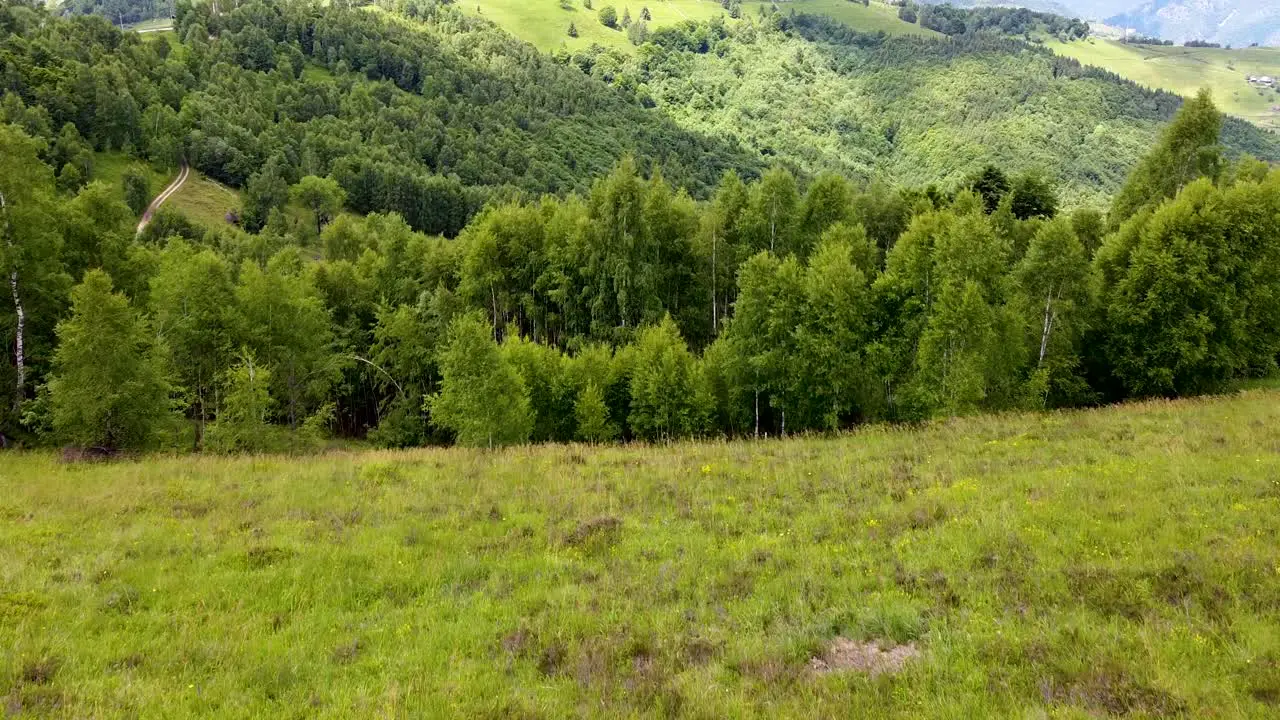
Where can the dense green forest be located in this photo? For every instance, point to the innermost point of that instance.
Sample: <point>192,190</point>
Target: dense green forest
<point>812,94</point>
<point>448,236</point>
<point>950,20</point>
<point>121,12</point>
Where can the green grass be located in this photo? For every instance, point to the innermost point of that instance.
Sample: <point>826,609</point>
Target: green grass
<point>200,199</point>
<point>316,73</point>
<point>870,18</point>
<point>545,23</point>
<point>1069,565</point>
<point>204,201</point>
<point>1186,70</point>
<point>153,25</point>
<point>110,167</point>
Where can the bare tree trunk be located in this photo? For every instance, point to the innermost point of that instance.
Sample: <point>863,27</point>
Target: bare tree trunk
<point>1048,323</point>
<point>19,353</point>
<point>715,310</point>
<point>200,419</point>
<point>1050,319</point>
<point>757,414</point>
<point>493,298</point>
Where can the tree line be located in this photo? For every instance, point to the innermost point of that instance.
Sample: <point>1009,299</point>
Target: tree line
<point>633,311</point>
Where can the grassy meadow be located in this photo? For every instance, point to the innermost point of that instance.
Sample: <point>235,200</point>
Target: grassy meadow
<point>160,24</point>
<point>1080,564</point>
<point>545,23</point>
<point>201,199</point>
<point>869,18</point>
<point>110,166</point>
<point>204,201</point>
<point>1185,70</point>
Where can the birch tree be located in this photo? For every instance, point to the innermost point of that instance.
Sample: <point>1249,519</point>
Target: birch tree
<point>1053,295</point>
<point>29,250</point>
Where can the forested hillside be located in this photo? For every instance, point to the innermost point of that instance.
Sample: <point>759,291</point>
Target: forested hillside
<point>819,97</point>
<point>399,274</point>
<point>1186,70</point>
<point>427,121</point>
<point>120,12</point>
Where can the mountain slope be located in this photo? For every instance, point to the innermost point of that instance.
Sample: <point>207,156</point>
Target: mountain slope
<point>1226,22</point>
<point>1186,70</point>
<point>1057,7</point>
<point>545,23</point>
<point>812,94</point>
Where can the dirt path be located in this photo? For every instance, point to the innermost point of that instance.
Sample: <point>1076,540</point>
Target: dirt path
<point>174,186</point>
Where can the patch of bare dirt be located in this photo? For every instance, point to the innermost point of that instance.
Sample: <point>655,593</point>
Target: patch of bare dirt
<point>869,658</point>
<point>605,527</point>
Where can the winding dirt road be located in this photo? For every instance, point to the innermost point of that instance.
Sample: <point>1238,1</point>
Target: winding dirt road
<point>174,186</point>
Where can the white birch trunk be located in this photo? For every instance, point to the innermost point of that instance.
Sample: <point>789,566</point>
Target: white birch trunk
<point>19,352</point>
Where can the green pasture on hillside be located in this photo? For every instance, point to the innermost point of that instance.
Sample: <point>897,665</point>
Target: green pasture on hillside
<point>1109,563</point>
<point>545,23</point>
<point>1185,70</point>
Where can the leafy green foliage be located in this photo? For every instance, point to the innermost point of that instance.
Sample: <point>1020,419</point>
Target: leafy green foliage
<point>483,400</point>
<point>31,256</point>
<point>912,111</point>
<point>282,321</point>
<point>950,20</point>
<point>1187,150</point>
<point>192,304</point>
<point>666,393</point>
<point>243,420</point>
<point>1054,301</point>
<point>137,191</point>
<point>1185,304</point>
<point>108,388</point>
<point>322,196</point>
<point>592,416</point>
<point>119,11</point>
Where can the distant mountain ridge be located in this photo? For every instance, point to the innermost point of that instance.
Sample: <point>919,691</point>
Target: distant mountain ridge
<point>1237,23</point>
<point>1227,22</point>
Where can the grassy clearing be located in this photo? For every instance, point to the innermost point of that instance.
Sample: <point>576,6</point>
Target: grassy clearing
<point>316,73</point>
<point>110,167</point>
<point>153,25</point>
<point>200,199</point>
<point>204,201</point>
<point>1122,561</point>
<point>545,23</point>
<point>869,18</point>
<point>1186,70</point>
